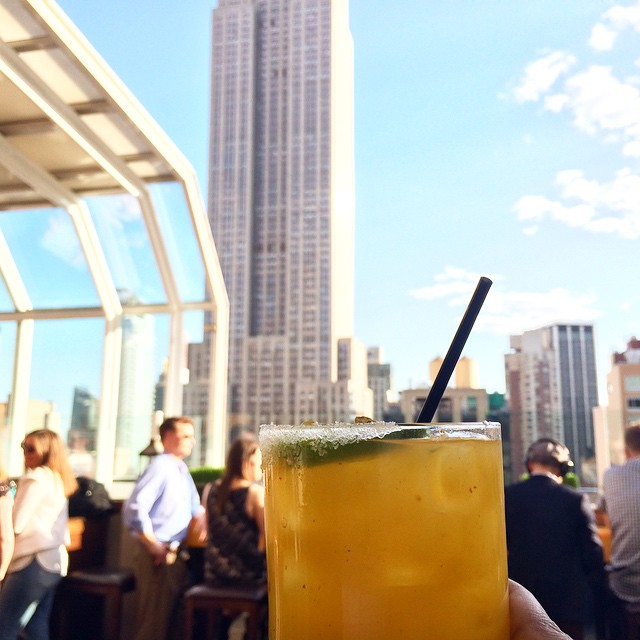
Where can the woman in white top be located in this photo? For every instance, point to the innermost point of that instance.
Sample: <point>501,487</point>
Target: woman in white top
<point>40,559</point>
<point>6,523</point>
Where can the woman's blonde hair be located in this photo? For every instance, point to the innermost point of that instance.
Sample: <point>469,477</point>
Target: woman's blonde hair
<point>53,454</point>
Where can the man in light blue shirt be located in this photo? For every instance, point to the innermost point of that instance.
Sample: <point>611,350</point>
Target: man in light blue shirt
<point>158,514</point>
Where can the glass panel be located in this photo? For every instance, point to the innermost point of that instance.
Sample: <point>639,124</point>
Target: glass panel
<point>47,252</point>
<point>145,348</point>
<point>7,355</point>
<point>67,367</point>
<point>145,345</point>
<point>179,236</point>
<point>127,248</point>
<point>196,389</point>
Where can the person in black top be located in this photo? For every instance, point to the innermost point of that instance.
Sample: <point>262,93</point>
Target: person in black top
<point>235,553</point>
<point>553,545</point>
<point>235,519</point>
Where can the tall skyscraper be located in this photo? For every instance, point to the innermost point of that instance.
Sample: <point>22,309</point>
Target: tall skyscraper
<point>281,204</point>
<point>552,389</point>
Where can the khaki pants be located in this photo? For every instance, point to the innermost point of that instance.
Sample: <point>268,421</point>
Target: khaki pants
<point>158,592</point>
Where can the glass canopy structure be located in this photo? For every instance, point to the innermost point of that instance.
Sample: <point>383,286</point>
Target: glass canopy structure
<point>108,270</point>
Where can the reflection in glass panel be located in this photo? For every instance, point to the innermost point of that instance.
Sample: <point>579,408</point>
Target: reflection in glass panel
<point>145,347</point>
<point>180,238</point>
<point>47,252</point>
<point>196,389</point>
<point>7,355</point>
<point>65,384</point>
<point>127,247</point>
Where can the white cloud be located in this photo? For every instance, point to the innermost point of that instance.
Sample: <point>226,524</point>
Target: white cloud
<point>632,149</point>
<point>621,17</point>
<point>601,103</point>
<point>614,21</point>
<point>611,207</point>
<point>61,240</point>
<point>453,281</point>
<point>556,103</point>
<point>512,312</point>
<point>602,38</point>
<point>541,74</point>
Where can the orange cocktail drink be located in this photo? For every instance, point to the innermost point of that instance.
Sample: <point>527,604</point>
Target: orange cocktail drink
<point>383,531</point>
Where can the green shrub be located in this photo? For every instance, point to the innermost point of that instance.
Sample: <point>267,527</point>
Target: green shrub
<point>202,475</point>
<point>570,479</point>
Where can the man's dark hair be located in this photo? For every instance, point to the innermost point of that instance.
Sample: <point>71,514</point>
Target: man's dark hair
<point>632,437</point>
<point>170,424</point>
<point>550,453</point>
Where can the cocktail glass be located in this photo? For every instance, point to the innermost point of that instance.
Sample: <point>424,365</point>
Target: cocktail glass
<point>384,531</point>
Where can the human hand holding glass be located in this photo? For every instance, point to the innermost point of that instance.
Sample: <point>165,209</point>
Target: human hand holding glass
<point>529,620</point>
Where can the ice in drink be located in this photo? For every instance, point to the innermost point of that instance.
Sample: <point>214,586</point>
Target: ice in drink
<point>380,531</point>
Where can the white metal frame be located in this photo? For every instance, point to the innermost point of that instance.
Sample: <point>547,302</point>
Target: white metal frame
<point>54,192</point>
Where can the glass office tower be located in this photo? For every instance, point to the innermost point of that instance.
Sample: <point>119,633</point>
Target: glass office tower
<point>552,387</point>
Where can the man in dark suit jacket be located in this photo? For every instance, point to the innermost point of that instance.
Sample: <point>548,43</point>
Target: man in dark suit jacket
<point>552,538</point>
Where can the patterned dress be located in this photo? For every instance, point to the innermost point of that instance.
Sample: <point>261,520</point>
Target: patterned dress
<point>232,556</point>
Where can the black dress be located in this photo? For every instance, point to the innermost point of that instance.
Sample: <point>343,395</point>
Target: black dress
<point>232,556</point>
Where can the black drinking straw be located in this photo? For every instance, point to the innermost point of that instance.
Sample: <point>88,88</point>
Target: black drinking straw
<point>451,359</point>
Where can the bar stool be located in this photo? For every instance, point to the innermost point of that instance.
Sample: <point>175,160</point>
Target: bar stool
<point>235,600</point>
<point>111,584</point>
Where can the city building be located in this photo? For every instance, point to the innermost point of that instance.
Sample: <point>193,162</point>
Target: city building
<point>82,434</point>
<point>465,373</point>
<point>281,206</point>
<point>434,367</point>
<point>551,391</point>
<point>84,418</point>
<point>95,194</point>
<point>499,412</point>
<point>379,377</point>
<point>456,405</point>
<point>622,408</point>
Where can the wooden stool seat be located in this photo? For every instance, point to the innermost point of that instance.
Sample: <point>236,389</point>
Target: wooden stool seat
<point>234,600</point>
<point>101,579</point>
<point>111,584</point>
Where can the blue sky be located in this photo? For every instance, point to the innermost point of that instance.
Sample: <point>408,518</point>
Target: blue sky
<point>492,138</point>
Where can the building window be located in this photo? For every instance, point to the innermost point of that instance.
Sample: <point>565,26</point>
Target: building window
<point>632,383</point>
<point>470,409</point>
<point>445,410</point>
